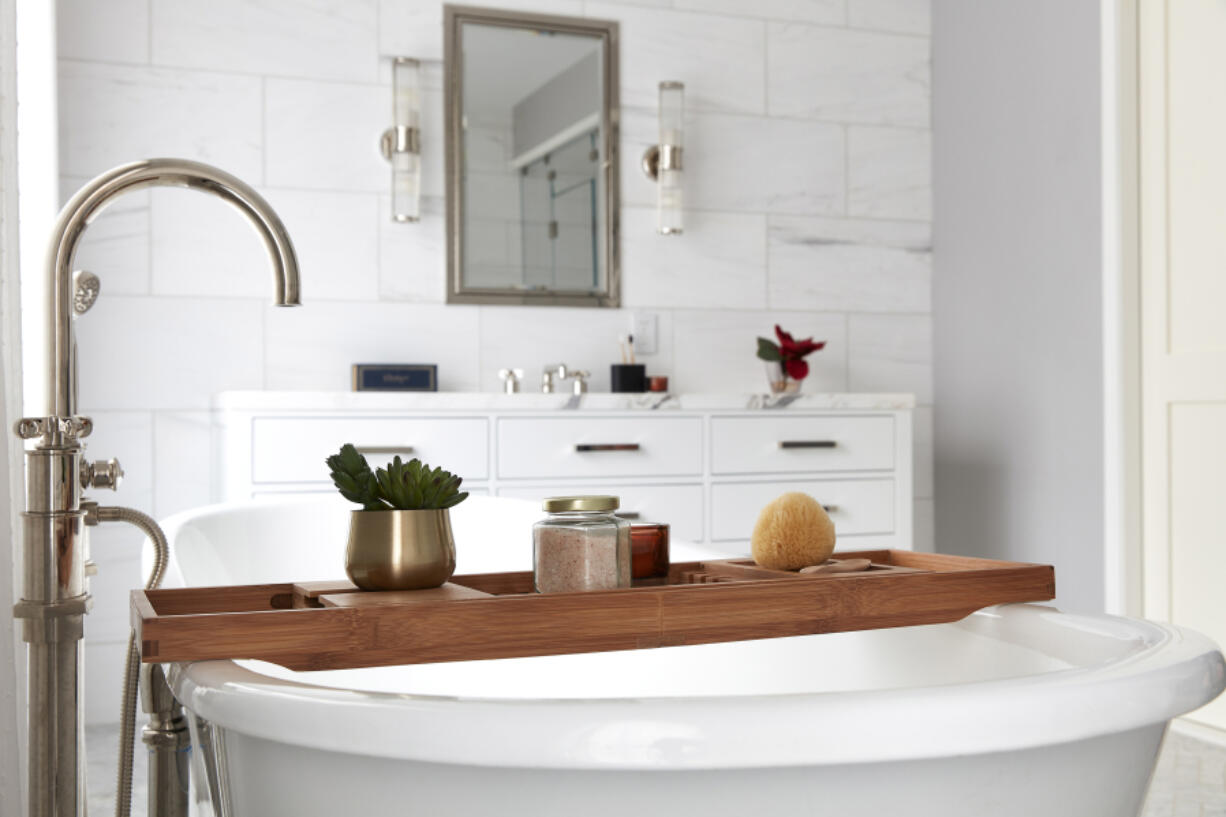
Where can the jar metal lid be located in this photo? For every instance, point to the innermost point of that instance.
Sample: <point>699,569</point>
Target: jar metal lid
<point>562,504</point>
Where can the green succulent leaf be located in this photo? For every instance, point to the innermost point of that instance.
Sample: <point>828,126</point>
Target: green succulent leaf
<point>391,492</point>
<point>353,478</point>
<point>455,499</point>
<point>434,487</point>
<point>401,486</point>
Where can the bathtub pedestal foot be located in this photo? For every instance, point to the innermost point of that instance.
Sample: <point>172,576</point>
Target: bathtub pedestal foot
<point>169,745</point>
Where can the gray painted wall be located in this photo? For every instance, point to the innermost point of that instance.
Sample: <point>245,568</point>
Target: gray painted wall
<point>1017,298</point>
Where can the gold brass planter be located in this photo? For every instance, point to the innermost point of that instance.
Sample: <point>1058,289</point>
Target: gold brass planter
<point>400,550</point>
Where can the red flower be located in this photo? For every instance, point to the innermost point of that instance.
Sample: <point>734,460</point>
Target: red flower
<point>797,369</point>
<point>792,349</point>
<point>789,353</point>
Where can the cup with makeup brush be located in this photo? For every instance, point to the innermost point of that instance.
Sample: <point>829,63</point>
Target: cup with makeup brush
<point>628,376</point>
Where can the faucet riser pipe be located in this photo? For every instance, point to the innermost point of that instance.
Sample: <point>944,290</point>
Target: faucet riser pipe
<point>168,769</point>
<point>52,609</point>
<point>55,555</point>
<point>55,775</point>
<point>53,479</point>
<point>168,739</point>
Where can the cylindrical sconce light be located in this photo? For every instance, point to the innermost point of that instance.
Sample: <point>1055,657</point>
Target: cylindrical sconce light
<point>662,162</point>
<point>401,143</point>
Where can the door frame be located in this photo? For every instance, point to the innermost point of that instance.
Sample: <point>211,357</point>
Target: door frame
<point>1125,557</point>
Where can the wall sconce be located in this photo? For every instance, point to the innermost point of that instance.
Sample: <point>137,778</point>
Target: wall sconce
<point>401,143</point>
<point>662,162</point>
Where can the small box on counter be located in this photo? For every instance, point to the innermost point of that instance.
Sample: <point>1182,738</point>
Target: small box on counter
<point>628,377</point>
<point>395,377</point>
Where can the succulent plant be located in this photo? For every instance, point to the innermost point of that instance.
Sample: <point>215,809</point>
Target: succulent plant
<point>401,486</point>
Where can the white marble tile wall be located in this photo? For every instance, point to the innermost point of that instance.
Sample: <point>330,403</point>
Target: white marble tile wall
<point>807,173</point>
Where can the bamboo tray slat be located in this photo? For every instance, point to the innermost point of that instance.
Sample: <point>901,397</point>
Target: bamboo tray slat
<point>332,625</point>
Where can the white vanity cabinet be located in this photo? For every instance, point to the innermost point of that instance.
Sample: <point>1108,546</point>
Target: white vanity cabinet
<point>705,464</point>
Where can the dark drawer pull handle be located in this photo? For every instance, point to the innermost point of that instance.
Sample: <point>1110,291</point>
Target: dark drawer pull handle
<point>629,514</point>
<point>807,444</point>
<point>384,449</point>
<point>830,508</point>
<point>581,447</point>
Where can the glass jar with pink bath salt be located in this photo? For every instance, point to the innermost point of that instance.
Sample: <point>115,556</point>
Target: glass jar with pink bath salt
<point>581,545</point>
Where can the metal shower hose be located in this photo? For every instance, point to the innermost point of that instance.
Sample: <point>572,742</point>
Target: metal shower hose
<point>131,677</point>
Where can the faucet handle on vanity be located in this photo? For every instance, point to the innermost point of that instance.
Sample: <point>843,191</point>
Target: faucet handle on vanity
<point>510,379</point>
<point>580,384</point>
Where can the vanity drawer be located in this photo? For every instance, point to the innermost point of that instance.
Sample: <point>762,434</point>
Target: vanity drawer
<point>293,449</point>
<point>781,444</point>
<point>856,506</point>
<point>548,448</point>
<point>678,506</point>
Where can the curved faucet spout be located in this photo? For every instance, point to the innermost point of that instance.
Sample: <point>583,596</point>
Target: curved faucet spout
<point>96,195</point>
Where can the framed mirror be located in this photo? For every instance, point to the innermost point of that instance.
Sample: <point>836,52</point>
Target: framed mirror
<point>532,166</point>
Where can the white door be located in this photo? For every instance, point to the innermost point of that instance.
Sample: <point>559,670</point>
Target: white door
<point>1182,149</point>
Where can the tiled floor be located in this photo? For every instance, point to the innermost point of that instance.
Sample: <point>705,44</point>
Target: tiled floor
<point>101,749</point>
<point>1190,780</point>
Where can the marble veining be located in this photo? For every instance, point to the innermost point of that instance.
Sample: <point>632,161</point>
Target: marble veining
<point>854,265</point>
<point>528,401</point>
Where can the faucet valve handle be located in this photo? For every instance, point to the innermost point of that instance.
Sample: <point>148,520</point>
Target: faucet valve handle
<point>71,428</point>
<point>580,384</point>
<point>27,428</point>
<point>102,474</point>
<point>510,379</point>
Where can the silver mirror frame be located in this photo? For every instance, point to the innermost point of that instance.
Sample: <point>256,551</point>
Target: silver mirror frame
<point>607,30</point>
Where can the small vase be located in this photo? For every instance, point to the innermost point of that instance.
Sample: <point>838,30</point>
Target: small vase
<point>400,550</point>
<point>778,379</point>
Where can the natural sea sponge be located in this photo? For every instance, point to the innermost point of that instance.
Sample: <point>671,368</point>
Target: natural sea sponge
<point>793,531</point>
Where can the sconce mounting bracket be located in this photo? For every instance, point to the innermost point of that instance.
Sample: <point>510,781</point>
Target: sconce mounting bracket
<point>651,162</point>
<point>661,157</point>
<point>400,139</point>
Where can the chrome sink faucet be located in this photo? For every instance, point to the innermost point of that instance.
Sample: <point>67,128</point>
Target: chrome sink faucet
<point>560,371</point>
<point>548,374</point>
<point>54,596</point>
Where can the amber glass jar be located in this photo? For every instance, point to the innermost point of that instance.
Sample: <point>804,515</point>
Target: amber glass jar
<point>649,557</point>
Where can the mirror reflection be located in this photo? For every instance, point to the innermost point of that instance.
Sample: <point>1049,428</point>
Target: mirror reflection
<point>532,178</point>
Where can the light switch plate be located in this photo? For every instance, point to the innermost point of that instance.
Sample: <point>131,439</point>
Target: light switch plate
<point>643,325</point>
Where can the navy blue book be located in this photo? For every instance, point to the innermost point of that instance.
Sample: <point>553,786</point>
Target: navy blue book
<point>395,377</point>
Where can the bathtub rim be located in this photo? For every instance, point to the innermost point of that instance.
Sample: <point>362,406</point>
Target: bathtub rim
<point>1178,672</point>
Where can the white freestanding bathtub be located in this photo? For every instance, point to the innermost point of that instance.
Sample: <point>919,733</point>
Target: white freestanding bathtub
<point>1015,710</point>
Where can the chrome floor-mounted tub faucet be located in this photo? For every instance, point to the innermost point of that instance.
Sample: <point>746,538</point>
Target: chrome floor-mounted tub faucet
<point>54,597</point>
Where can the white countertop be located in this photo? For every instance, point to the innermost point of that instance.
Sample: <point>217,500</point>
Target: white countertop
<point>529,401</point>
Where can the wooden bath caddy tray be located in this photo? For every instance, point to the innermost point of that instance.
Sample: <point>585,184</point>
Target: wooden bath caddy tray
<point>332,625</point>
